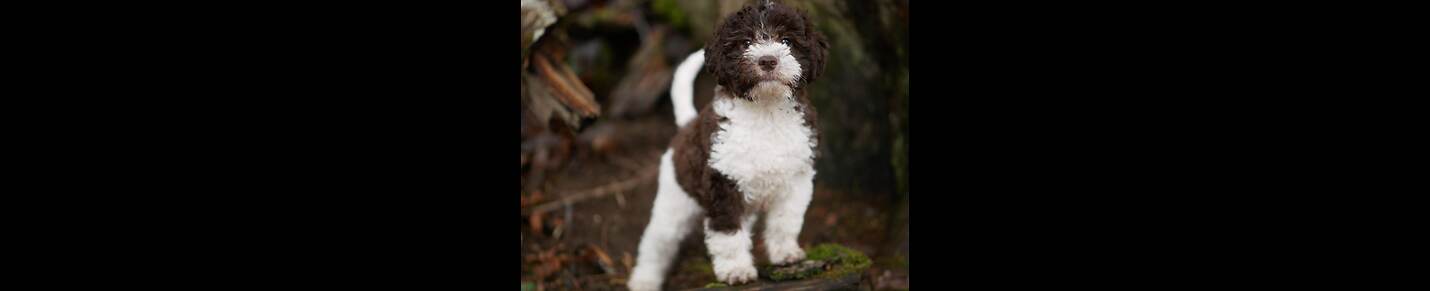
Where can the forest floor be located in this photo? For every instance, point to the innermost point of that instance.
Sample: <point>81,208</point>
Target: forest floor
<point>590,243</point>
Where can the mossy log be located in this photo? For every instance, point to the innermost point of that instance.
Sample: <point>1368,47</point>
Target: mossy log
<point>826,267</point>
<point>848,282</point>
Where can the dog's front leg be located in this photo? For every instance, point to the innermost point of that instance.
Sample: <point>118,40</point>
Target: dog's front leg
<point>784,221</point>
<point>730,252</point>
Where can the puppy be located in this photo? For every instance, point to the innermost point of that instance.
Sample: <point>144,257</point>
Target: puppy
<point>751,150</point>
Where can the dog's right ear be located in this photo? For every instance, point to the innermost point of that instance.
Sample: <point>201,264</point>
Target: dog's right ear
<point>717,46</point>
<point>724,38</point>
<point>712,49</point>
<point>723,51</point>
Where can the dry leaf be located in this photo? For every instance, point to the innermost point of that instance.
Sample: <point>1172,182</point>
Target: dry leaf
<point>607,265</point>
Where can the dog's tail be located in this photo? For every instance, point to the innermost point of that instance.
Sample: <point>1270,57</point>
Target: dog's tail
<point>682,91</point>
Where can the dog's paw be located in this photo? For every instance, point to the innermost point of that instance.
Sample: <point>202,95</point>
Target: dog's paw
<point>784,255</point>
<point>643,284</point>
<point>736,275</point>
<point>643,279</point>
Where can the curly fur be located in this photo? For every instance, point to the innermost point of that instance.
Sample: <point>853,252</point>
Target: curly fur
<point>753,24</point>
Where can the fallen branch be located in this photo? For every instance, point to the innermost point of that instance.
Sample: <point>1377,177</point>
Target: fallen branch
<point>604,190</point>
<point>567,87</point>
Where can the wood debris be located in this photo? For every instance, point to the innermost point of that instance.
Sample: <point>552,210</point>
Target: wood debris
<point>565,86</point>
<point>646,175</point>
<point>648,77</point>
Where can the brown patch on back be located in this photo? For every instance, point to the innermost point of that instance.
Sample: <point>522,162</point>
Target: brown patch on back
<point>717,194</point>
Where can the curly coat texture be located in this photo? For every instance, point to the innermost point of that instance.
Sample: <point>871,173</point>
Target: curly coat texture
<point>735,75</point>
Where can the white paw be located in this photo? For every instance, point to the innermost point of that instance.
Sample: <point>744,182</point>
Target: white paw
<point>640,284</point>
<point>644,280</point>
<point>787,254</point>
<point>735,274</point>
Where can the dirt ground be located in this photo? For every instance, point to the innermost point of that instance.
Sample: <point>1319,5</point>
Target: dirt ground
<point>591,244</point>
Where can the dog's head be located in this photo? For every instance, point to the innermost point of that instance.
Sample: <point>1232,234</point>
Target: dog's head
<point>765,50</point>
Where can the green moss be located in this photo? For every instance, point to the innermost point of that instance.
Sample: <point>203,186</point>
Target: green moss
<point>827,261</point>
<point>528,286</point>
<point>843,260</point>
<point>716,285</point>
<point>805,269</point>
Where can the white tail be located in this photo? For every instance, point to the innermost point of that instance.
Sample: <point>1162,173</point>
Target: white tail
<point>682,90</point>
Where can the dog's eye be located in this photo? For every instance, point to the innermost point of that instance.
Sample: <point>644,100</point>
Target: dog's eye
<point>785,40</point>
<point>747,43</point>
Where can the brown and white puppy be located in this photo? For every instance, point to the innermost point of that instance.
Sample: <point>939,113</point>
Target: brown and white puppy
<point>751,150</point>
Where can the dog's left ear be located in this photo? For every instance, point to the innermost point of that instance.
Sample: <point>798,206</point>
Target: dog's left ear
<point>818,50</point>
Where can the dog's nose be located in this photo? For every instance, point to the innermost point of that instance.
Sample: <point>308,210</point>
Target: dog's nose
<point>768,63</point>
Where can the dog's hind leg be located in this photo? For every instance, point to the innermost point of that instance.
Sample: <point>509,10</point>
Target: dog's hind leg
<point>674,215</point>
<point>784,220</point>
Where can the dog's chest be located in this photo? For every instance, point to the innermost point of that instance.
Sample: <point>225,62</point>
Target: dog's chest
<point>763,147</point>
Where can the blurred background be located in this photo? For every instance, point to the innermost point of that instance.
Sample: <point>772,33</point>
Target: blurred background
<point>596,116</point>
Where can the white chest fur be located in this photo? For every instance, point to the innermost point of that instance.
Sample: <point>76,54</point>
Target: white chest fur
<point>763,146</point>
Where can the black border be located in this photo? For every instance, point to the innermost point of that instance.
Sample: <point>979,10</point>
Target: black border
<point>330,146</point>
<point>1120,144</point>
